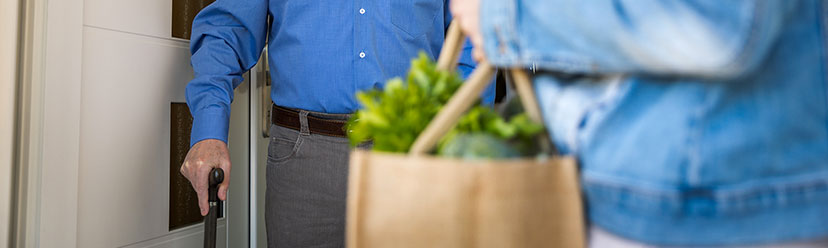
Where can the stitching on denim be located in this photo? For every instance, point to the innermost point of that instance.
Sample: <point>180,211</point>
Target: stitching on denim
<point>296,146</point>
<point>770,196</point>
<point>507,37</point>
<point>304,129</point>
<point>727,199</point>
<point>505,33</point>
<point>694,157</point>
<point>281,139</point>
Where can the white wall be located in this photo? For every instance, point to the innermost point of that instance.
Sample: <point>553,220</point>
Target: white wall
<point>8,74</point>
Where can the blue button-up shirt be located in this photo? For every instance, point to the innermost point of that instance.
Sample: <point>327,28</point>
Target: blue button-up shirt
<point>321,52</point>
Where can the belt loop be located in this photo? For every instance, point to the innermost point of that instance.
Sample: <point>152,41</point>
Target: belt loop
<point>303,123</point>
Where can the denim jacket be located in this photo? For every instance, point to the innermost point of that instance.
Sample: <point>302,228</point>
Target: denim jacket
<point>695,122</point>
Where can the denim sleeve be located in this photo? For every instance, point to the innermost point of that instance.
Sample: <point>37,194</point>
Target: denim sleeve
<point>228,37</point>
<point>701,38</point>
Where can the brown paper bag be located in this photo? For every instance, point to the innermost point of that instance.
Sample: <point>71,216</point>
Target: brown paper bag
<point>416,200</point>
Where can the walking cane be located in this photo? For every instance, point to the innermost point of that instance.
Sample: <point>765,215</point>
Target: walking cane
<point>215,178</point>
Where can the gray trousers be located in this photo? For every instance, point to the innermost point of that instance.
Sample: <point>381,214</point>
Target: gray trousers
<point>307,178</point>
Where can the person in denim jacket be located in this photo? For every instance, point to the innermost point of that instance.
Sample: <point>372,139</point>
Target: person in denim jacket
<point>695,122</point>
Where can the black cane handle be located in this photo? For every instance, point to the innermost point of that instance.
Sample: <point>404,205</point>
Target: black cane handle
<point>215,178</point>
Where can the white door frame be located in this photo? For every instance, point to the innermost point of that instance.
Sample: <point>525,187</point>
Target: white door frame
<point>9,15</point>
<point>49,124</point>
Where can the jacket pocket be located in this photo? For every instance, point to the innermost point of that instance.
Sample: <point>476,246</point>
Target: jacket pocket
<point>414,17</point>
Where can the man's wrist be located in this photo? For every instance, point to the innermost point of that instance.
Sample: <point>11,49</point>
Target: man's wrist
<point>211,140</point>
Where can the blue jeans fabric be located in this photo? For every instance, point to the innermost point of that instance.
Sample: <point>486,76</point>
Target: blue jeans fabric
<point>695,122</point>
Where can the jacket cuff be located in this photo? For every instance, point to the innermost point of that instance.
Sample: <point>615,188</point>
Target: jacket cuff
<point>498,25</point>
<point>210,123</point>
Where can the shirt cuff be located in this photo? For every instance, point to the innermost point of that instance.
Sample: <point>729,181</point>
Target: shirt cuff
<point>210,123</point>
<point>498,25</point>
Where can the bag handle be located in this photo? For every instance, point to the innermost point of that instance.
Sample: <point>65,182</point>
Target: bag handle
<point>469,92</point>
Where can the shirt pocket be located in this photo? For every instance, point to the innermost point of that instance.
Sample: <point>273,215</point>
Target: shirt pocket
<point>414,17</point>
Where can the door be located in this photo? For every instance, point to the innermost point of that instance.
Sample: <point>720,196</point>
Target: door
<point>8,87</point>
<point>259,140</point>
<point>133,71</point>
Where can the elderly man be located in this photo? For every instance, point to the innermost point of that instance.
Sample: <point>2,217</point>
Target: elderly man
<point>321,54</point>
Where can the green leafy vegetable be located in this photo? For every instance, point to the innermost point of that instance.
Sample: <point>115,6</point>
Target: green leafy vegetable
<point>394,116</point>
<point>519,131</point>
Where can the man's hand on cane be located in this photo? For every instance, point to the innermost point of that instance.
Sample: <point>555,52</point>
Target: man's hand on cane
<point>201,159</point>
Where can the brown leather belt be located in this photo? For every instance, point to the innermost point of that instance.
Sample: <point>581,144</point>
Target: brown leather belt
<point>290,119</point>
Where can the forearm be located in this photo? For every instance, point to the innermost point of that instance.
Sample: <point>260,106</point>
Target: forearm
<point>688,37</point>
<point>227,38</point>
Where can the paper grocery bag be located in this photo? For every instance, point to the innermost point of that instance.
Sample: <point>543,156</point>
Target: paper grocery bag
<point>418,200</point>
<point>423,201</point>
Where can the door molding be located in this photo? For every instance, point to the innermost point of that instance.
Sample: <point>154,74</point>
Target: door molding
<point>48,124</point>
<point>9,46</point>
<point>191,236</point>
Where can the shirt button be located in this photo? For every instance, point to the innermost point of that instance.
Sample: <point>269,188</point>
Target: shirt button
<point>361,11</point>
<point>361,55</point>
